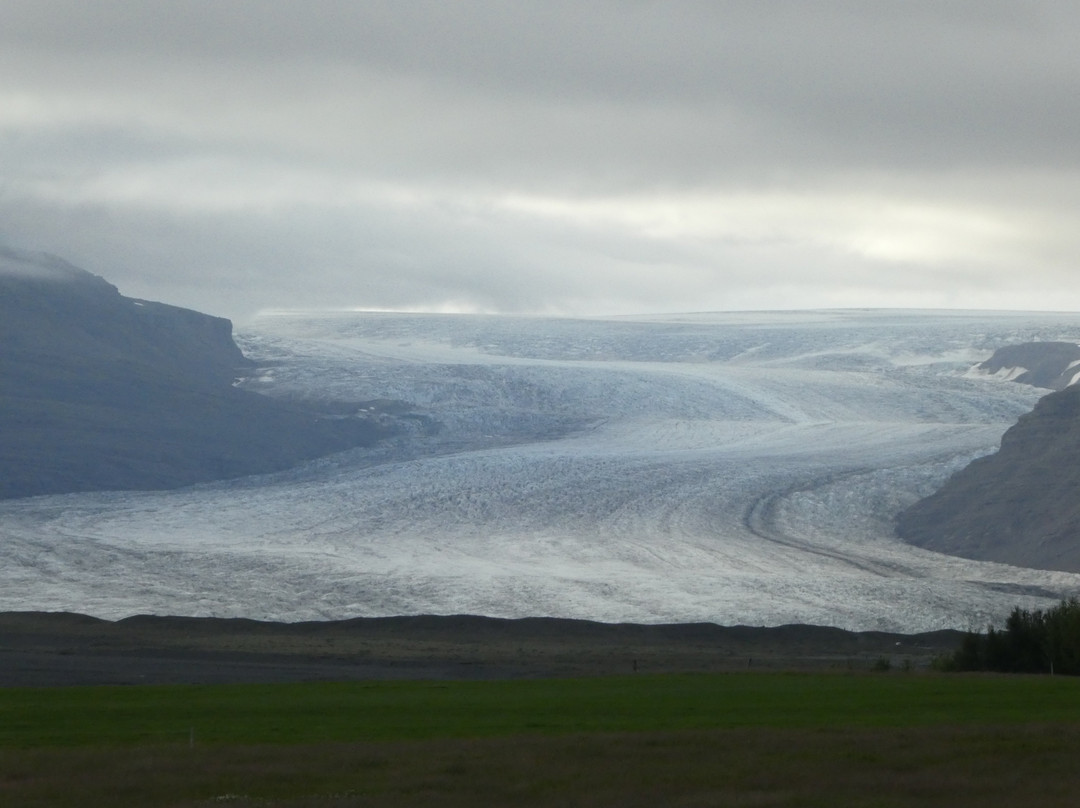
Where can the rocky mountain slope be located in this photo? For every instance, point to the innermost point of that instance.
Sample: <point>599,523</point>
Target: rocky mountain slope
<point>1020,505</point>
<point>103,392</point>
<point>1053,365</point>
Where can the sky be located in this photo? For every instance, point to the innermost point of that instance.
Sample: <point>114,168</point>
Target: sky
<point>550,157</point>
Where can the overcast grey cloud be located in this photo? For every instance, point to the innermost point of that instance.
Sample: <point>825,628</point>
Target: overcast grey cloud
<point>554,157</point>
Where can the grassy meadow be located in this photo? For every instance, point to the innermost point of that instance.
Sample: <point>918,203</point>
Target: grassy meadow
<point>729,739</point>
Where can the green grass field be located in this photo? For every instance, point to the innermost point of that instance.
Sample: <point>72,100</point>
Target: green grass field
<point>734,739</point>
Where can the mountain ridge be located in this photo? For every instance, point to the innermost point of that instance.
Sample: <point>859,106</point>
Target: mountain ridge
<point>1050,365</point>
<point>105,392</point>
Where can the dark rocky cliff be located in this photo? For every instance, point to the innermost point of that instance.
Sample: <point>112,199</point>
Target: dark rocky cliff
<point>99,391</point>
<point>1020,505</point>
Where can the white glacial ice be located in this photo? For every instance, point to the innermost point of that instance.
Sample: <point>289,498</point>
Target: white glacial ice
<point>733,468</point>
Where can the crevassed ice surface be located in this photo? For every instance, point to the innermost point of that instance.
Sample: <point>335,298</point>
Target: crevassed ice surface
<point>732,468</point>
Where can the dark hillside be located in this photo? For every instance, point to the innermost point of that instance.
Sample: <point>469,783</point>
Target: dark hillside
<point>99,391</point>
<point>1053,365</point>
<point>66,649</point>
<point>1020,505</point>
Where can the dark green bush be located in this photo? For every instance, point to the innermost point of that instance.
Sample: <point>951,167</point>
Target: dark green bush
<point>1031,642</point>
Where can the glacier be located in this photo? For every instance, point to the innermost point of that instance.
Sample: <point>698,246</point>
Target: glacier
<point>736,468</point>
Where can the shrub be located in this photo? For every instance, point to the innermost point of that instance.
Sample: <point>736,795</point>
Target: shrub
<point>1031,642</point>
<point>882,665</point>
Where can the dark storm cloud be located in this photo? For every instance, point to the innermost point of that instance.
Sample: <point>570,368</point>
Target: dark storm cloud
<point>546,156</point>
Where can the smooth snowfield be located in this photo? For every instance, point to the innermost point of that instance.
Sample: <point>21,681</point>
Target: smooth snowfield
<point>732,468</point>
